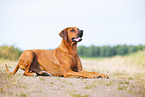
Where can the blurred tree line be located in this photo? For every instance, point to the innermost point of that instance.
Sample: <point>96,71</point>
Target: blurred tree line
<point>108,51</point>
<point>13,53</point>
<point>9,52</point>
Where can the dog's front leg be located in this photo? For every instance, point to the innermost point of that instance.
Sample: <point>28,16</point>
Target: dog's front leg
<point>100,75</point>
<point>71,73</point>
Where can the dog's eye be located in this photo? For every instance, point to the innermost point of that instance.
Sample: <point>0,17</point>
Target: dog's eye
<point>72,30</point>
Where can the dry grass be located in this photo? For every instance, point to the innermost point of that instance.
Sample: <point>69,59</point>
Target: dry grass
<point>127,79</point>
<point>134,63</point>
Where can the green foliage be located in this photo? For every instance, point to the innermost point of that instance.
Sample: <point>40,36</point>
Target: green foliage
<point>9,52</point>
<point>13,53</point>
<point>108,51</point>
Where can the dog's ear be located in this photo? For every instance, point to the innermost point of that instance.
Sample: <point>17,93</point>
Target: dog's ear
<point>63,34</point>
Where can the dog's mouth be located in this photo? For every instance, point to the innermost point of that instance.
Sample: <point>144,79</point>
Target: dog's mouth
<point>78,39</point>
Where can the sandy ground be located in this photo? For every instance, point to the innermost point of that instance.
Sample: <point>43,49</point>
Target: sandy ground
<point>125,81</point>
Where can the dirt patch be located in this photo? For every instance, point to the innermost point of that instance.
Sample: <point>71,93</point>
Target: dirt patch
<point>119,85</point>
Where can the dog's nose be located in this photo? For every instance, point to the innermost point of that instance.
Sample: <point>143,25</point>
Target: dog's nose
<point>80,33</point>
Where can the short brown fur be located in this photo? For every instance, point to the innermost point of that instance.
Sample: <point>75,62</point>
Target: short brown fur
<point>62,61</point>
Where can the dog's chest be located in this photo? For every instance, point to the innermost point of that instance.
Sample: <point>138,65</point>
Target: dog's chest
<point>74,63</point>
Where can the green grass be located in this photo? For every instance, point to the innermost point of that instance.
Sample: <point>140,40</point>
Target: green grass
<point>78,95</point>
<point>109,83</point>
<point>42,79</point>
<point>122,87</point>
<point>51,83</point>
<point>125,82</point>
<point>90,86</point>
<point>22,95</point>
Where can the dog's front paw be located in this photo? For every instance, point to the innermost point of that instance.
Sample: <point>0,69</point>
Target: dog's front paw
<point>104,76</point>
<point>35,75</point>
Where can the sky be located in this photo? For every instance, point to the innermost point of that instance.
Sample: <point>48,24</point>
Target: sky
<point>36,24</point>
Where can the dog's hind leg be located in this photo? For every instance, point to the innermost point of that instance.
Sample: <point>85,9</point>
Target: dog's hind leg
<point>25,61</point>
<point>35,67</point>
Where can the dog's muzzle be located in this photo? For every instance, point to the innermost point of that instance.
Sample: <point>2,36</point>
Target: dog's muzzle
<point>79,38</point>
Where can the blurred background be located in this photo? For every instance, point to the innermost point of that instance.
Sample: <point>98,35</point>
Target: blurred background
<point>111,27</point>
<point>113,44</point>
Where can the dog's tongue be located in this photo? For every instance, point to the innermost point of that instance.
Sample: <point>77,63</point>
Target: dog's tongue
<point>77,39</point>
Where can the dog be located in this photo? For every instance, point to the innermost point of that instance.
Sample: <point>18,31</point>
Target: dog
<point>63,61</point>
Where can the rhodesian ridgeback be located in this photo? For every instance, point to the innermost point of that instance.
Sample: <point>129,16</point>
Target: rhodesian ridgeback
<point>62,61</point>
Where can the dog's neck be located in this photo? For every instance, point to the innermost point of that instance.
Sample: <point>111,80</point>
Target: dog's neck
<point>68,47</point>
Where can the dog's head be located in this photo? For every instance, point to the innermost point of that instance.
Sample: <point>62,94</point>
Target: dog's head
<point>71,34</point>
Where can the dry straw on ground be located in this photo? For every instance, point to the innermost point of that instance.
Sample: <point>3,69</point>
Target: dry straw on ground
<point>127,79</point>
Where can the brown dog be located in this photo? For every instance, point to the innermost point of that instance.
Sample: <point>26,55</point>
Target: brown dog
<point>62,61</point>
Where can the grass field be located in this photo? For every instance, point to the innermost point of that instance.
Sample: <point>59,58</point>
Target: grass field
<point>127,79</point>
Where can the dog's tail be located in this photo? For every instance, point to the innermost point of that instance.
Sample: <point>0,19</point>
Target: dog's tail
<point>16,69</point>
